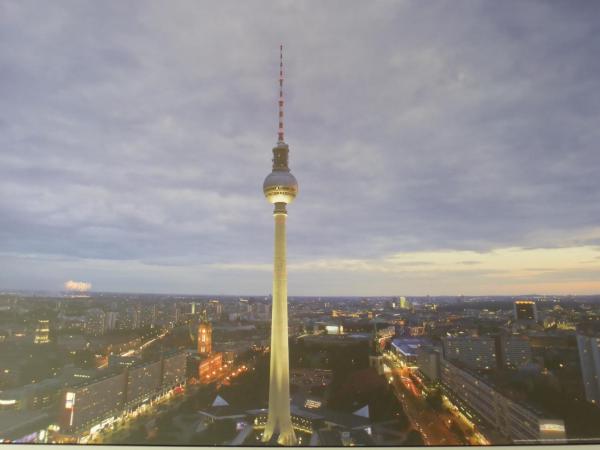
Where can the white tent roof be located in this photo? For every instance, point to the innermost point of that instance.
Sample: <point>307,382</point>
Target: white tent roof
<point>362,412</point>
<point>220,401</point>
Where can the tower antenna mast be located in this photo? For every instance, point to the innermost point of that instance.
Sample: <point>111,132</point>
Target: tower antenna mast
<point>280,133</point>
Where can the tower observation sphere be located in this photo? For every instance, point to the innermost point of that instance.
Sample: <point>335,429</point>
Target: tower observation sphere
<point>280,186</point>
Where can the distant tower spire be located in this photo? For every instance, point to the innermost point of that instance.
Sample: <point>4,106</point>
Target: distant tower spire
<point>280,137</point>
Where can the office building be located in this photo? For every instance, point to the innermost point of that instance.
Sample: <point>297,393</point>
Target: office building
<point>92,402</point>
<point>476,352</point>
<point>143,382</point>
<point>515,351</point>
<point>214,309</point>
<point>403,303</point>
<point>94,323</point>
<point>96,402</point>
<point>428,362</point>
<point>494,412</point>
<point>110,321</point>
<point>174,370</point>
<point>42,332</point>
<point>525,311</point>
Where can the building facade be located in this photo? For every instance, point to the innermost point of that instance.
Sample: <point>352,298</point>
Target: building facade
<point>204,338</point>
<point>474,351</point>
<point>525,311</point>
<point>588,346</point>
<point>515,351</point>
<point>42,332</point>
<point>490,409</point>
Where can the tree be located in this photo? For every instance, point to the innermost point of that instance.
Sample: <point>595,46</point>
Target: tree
<point>414,438</point>
<point>434,400</point>
<point>137,436</point>
<point>217,433</point>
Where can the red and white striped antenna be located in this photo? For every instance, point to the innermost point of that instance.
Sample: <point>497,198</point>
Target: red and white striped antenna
<point>280,137</point>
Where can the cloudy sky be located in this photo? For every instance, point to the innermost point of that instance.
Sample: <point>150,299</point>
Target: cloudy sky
<point>441,147</point>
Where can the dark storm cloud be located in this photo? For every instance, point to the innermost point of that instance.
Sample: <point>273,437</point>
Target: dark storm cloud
<point>142,131</point>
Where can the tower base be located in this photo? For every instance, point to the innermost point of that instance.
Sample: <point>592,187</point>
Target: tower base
<point>286,439</point>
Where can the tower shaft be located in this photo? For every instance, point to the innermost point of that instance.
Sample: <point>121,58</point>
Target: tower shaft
<point>279,419</point>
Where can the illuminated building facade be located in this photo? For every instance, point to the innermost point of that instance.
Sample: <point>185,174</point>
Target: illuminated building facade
<point>210,367</point>
<point>204,337</point>
<point>515,351</point>
<point>280,188</point>
<point>476,352</point>
<point>42,332</point>
<point>174,370</point>
<point>90,403</point>
<point>484,405</point>
<point>95,403</point>
<point>525,311</point>
<point>142,382</point>
<point>94,323</point>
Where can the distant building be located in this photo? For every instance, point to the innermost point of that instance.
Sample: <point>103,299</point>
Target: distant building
<point>178,314</point>
<point>417,330</point>
<point>204,337</point>
<point>588,345</point>
<point>42,332</point>
<point>215,309</point>
<point>474,351</point>
<point>404,303</point>
<point>31,396</point>
<point>137,317</point>
<point>94,323</point>
<point>244,306</point>
<point>110,321</point>
<point>525,311</point>
<point>515,351</point>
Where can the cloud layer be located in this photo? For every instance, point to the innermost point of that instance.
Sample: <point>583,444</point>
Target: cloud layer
<point>77,286</point>
<point>134,139</point>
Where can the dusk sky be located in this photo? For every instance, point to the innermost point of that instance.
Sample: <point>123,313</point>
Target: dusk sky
<point>441,147</point>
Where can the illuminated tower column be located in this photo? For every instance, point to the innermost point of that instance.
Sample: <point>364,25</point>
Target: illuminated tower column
<point>280,188</point>
<point>204,336</point>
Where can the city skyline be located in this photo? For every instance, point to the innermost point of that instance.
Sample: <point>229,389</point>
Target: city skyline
<point>459,153</point>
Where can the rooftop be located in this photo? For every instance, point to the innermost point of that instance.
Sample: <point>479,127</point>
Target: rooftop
<point>409,346</point>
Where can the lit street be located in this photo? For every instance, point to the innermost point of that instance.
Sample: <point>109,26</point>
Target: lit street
<point>431,424</point>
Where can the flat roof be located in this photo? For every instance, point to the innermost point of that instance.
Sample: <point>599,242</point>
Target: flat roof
<point>15,424</point>
<point>409,346</point>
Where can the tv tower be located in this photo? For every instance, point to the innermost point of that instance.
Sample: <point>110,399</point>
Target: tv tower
<point>280,188</point>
